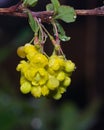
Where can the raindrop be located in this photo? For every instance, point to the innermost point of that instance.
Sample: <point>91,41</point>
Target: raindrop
<point>75,16</point>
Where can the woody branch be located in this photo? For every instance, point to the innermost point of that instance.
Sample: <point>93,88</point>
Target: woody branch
<point>18,11</point>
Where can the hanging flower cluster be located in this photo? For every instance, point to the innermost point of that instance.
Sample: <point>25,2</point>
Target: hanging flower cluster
<point>42,75</point>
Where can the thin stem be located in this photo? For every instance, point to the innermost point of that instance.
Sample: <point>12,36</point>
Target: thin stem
<point>31,40</point>
<point>57,37</point>
<point>50,36</point>
<point>56,32</point>
<point>35,18</point>
<point>42,32</point>
<point>57,46</point>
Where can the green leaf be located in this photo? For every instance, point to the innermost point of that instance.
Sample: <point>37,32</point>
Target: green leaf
<point>61,32</point>
<point>64,38</point>
<point>56,5</point>
<point>49,7</point>
<point>30,3</point>
<point>33,24</point>
<point>66,13</point>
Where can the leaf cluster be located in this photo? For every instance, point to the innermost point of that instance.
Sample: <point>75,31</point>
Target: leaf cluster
<point>61,12</point>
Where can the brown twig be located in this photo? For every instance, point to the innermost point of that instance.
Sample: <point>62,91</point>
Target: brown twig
<point>94,12</point>
<point>19,11</point>
<point>45,16</point>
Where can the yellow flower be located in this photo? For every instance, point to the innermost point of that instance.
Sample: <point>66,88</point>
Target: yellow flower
<point>22,79</point>
<point>52,83</point>
<point>30,56</point>
<point>61,76</point>
<point>39,60</point>
<point>45,90</point>
<point>67,81</point>
<point>56,62</point>
<point>40,77</point>
<point>29,48</point>
<point>25,87</point>
<point>36,91</point>
<point>61,89</point>
<point>51,71</point>
<point>69,66</point>
<point>20,52</point>
<point>53,63</point>
<point>30,73</point>
<point>22,66</point>
<point>44,76</point>
<point>57,96</point>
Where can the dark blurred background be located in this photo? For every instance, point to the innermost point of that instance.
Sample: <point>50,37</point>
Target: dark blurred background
<point>81,107</point>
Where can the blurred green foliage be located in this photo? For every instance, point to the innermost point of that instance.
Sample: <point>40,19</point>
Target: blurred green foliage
<point>71,118</point>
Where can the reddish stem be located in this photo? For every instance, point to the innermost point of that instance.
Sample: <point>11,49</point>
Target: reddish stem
<point>46,16</point>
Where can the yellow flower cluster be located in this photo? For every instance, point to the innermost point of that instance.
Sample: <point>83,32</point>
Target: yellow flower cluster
<point>42,75</point>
